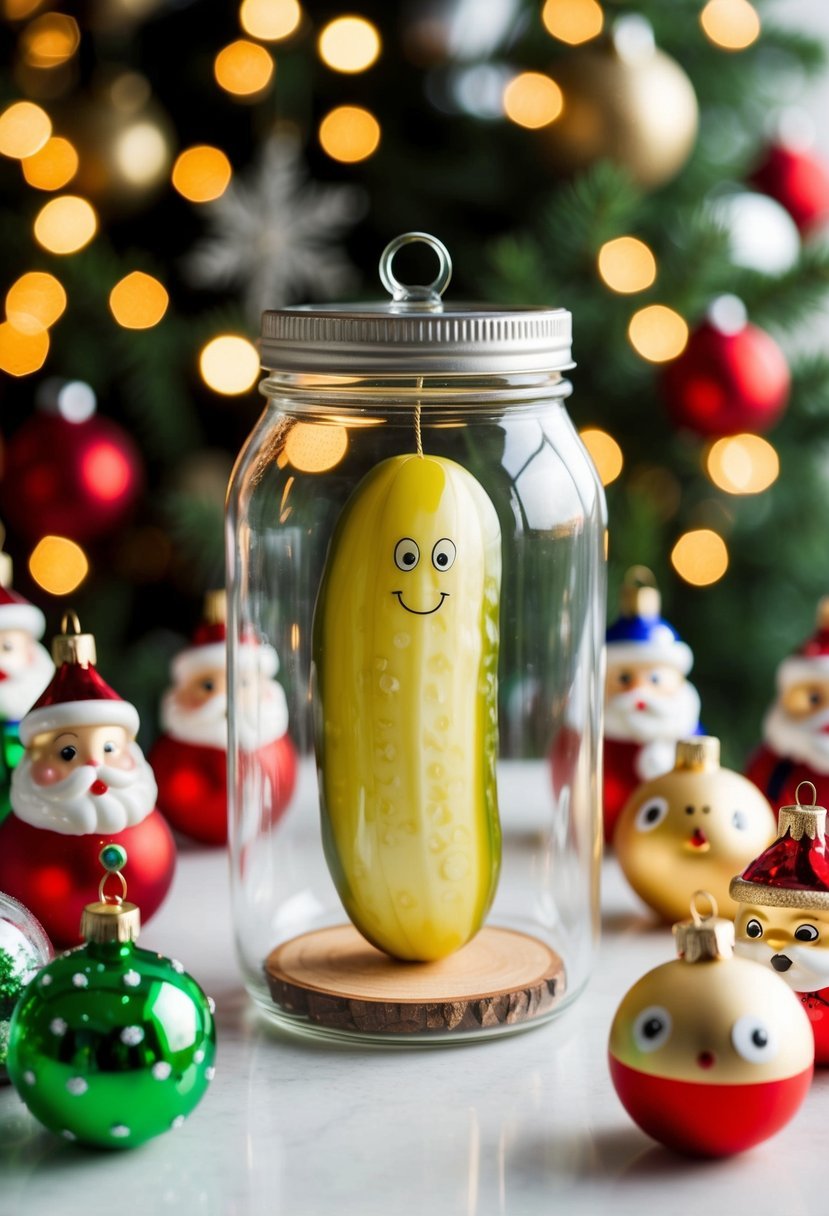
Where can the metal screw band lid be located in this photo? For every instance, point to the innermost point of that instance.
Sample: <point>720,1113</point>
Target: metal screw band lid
<point>416,333</point>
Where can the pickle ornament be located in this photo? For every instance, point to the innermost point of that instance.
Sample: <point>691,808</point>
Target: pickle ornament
<point>406,681</point>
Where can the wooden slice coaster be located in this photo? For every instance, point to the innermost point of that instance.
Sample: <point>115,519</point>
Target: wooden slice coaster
<point>336,979</point>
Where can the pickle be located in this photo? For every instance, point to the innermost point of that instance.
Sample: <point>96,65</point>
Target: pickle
<point>405,677</point>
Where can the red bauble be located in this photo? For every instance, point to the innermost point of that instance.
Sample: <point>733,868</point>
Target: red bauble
<point>620,780</point>
<point>798,181</point>
<point>708,1120</point>
<point>726,383</point>
<point>816,1005</point>
<point>75,479</point>
<point>56,875</point>
<point>192,783</point>
<point>778,777</point>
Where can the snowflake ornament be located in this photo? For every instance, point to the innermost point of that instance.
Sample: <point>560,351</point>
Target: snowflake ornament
<point>274,233</point>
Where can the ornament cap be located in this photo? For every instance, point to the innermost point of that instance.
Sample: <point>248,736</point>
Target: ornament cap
<point>699,754</point>
<point>215,608</point>
<point>639,595</point>
<point>704,938</point>
<point>111,918</point>
<point>6,570</point>
<point>75,647</point>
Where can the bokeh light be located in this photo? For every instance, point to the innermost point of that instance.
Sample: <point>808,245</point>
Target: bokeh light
<point>16,10</point>
<point>202,173</point>
<point>532,100</point>
<point>604,452</point>
<point>106,471</point>
<point>22,354</point>
<point>573,21</point>
<point>658,333</point>
<point>730,24</point>
<point>58,565</point>
<point>65,224</point>
<point>313,449</point>
<point>742,464</point>
<point>24,129</point>
<point>626,264</point>
<point>141,153</point>
<point>229,364</point>
<point>349,44</point>
<point>243,68</point>
<point>50,40</point>
<point>53,166</point>
<point>700,557</point>
<point>349,134</point>
<point>270,20</point>
<point>35,302</point>
<point>76,401</point>
<point>138,301</point>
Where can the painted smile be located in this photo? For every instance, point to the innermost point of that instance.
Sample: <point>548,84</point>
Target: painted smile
<point>421,611</point>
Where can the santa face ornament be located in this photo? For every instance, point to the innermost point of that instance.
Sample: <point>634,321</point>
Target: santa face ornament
<point>25,670</point>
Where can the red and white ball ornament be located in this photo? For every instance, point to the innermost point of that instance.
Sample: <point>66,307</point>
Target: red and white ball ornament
<point>798,180</point>
<point>732,376</point>
<point>190,758</point>
<point>710,1054</point>
<point>69,471</point>
<point>82,783</point>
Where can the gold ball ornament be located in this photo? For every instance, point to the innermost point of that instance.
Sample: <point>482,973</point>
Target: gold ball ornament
<point>696,826</point>
<point>625,101</point>
<point>710,1054</point>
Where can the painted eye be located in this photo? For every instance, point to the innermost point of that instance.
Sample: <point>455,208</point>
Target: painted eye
<point>406,554</point>
<point>652,1028</point>
<point>68,753</point>
<point>110,747</point>
<point>443,554</point>
<point>739,821</point>
<point>753,1039</point>
<point>651,814</point>
<point>8,646</point>
<point>815,698</point>
<point>806,933</point>
<point>754,929</point>
<point>208,685</point>
<point>625,678</point>
<point>655,677</point>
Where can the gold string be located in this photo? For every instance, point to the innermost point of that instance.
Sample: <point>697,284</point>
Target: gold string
<point>418,434</point>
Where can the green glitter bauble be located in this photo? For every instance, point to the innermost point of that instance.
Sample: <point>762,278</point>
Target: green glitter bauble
<point>112,1044</point>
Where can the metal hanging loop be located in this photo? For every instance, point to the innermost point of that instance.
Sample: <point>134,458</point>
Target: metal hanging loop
<point>412,295</point>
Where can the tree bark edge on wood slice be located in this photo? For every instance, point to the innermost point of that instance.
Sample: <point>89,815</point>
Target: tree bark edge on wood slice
<point>336,979</point>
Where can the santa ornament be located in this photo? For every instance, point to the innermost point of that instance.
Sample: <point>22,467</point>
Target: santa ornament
<point>190,758</point>
<point>82,783</point>
<point>649,702</point>
<point>784,917</point>
<point>795,744</point>
<point>25,670</point>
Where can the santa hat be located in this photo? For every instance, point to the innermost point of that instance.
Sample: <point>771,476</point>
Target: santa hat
<point>640,635</point>
<point>77,696</point>
<point>209,650</point>
<point>17,613</point>
<point>811,661</point>
<point>793,872</point>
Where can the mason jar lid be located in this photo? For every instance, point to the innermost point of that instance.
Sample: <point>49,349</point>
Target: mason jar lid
<point>415,332</point>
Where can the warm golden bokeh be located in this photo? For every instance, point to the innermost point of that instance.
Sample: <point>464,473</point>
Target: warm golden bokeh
<point>532,100</point>
<point>53,166</point>
<point>22,354</point>
<point>573,21</point>
<point>229,364</point>
<point>349,134</point>
<point>658,333</point>
<point>65,224</point>
<point>24,129</point>
<point>58,565</point>
<point>35,302</point>
<point>270,20</point>
<point>730,24</point>
<point>626,265</point>
<point>50,40</point>
<point>243,68</point>
<point>700,557</point>
<point>349,44</point>
<point>604,452</point>
<point>742,464</point>
<point>202,173</point>
<point>138,301</point>
<point>314,449</point>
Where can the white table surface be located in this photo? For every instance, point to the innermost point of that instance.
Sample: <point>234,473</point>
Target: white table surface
<point>523,1125</point>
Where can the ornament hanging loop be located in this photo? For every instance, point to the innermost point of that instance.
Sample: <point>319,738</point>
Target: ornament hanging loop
<point>810,786</point>
<point>68,619</point>
<point>74,646</point>
<point>412,295</point>
<point>712,903</point>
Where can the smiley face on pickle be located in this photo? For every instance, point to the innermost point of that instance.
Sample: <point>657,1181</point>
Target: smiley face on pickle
<point>687,830</point>
<point>407,557</point>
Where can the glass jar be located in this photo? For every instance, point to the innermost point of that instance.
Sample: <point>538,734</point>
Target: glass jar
<point>417,532</point>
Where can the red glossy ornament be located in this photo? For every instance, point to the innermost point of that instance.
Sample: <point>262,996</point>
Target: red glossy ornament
<point>192,783</point>
<point>726,383</point>
<point>74,479</point>
<point>52,874</point>
<point>799,181</point>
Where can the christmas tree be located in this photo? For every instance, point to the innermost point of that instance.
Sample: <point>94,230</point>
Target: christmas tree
<point>171,169</point>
